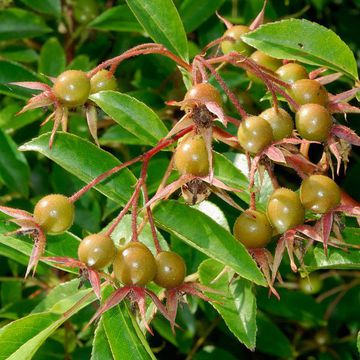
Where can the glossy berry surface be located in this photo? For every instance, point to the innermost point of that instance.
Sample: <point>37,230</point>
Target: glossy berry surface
<point>203,93</point>
<point>191,156</point>
<point>54,213</point>
<point>306,91</point>
<point>313,122</point>
<point>134,264</point>
<point>292,72</point>
<point>254,134</point>
<point>280,121</point>
<point>284,210</point>
<point>72,88</point>
<point>310,285</point>
<point>319,194</point>
<point>101,81</point>
<point>97,251</point>
<point>252,229</point>
<point>265,61</point>
<point>237,45</point>
<point>171,269</point>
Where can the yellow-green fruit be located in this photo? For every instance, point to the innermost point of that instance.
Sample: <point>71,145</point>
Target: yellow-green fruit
<point>134,264</point>
<point>97,251</point>
<point>237,45</point>
<point>171,269</point>
<point>284,210</point>
<point>255,134</point>
<point>54,213</point>
<point>292,72</point>
<point>319,194</point>
<point>203,93</point>
<point>313,122</point>
<point>191,156</point>
<point>306,91</point>
<point>311,285</point>
<point>72,88</point>
<point>101,81</point>
<point>280,121</point>
<point>253,229</point>
<point>265,61</point>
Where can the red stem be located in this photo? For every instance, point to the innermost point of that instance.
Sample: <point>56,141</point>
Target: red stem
<point>221,82</point>
<point>140,50</point>
<point>163,143</point>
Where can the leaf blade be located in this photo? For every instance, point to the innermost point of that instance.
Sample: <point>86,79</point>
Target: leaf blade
<point>305,41</point>
<point>162,22</point>
<point>204,234</point>
<point>238,309</point>
<point>89,162</point>
<point>131,114</point>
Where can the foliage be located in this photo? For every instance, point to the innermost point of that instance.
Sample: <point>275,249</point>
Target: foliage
<point>113,159</point>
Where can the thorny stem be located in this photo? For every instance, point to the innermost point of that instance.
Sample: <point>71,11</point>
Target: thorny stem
<point>143,49</point>
<point>270,170</point>
<point>163,143</point>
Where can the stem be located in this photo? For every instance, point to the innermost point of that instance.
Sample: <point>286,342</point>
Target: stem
<point>125,209</point>
<point>222,83</point>
<point>163,143</point>
<point>102,177</point>
<point>143,49</point>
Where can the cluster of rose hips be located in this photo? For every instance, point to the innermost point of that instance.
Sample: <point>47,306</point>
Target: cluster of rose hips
<point>134,266</point>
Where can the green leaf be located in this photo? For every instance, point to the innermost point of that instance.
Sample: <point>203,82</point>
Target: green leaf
<point>194,13</point>
<point>305,41</point>
<point>118,18</point>
<point>229,174</point>
<point>293,306</point>
<point>205,235</point>
<point>22,338</point>
<point>358,342</point>
<point>52,58</point>
<point>20,24</point>
<point>100,348</point>
<point>131,114</point>
<point>14,169</point>
<point>236,304</point>
<point>336,259</point>
<point>277,344</point>
<point>51,7</point>
<point>122,334</point>
<point>10,72</point>
<point>19,54</point>
<point>86,161</point>
<point>161,21</point>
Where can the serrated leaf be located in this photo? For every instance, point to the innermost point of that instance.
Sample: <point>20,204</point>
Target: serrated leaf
<point>122,333</point>
<point>86,161</point>
<point>11,71</point>
<point>194,13</point>
<point>132,114</point>
<point>161,21</point>
<point>52,58</point>
<point>205,235</point>
<point>238,304</point>
<point>22,338</point>
<point>20,24</point>
<point>14,169</point>
<point>305,41</point>
<point>51,7</point>
<point>118,18</point>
